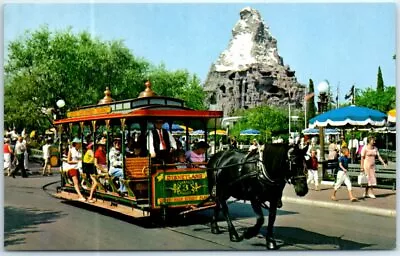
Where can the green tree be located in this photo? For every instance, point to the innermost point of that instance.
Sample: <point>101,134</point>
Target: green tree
<point>311,109</point>
<point>43,66</point>
<point>178,84</point>
<point>380,85</point>
<point>270,121</point>
<point>379,100</point>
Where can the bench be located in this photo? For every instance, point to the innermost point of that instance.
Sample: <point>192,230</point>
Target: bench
<point>380,172</point>
<point>388,155</point>
<point>36,155</point>
<point>136,176</point>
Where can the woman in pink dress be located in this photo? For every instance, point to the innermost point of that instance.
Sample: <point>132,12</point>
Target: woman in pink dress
<point>368,154</point>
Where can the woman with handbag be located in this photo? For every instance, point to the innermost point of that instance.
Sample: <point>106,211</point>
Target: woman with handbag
<point>368,155</point>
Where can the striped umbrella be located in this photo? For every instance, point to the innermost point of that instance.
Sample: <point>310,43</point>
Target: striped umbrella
<point>218,132</point>
<point>197,132</point>
<point>186,127</point>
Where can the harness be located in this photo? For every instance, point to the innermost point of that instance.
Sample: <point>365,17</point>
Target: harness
<point>260,172</point>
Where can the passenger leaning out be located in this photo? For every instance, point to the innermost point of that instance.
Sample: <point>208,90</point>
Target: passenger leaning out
<point>74,160</point>
<point>115,158</point>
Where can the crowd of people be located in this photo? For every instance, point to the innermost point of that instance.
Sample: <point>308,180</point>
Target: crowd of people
<point>15,151</point>
<point>354,151</point>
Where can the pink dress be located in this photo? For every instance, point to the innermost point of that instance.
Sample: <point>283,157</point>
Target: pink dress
<point>369,164</point>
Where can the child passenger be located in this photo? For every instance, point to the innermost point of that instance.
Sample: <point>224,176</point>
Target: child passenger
<point>342,175</point>
<point>181,160</point>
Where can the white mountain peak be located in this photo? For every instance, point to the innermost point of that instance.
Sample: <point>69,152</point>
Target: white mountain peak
<point>251,43</point>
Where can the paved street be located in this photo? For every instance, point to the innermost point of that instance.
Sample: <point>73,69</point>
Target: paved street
<point>36,221</point>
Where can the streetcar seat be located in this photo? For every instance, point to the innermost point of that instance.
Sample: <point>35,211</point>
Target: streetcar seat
<point>137,168</point>
<point>136,176</point>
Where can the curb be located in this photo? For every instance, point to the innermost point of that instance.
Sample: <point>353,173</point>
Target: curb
<point>364,209</point>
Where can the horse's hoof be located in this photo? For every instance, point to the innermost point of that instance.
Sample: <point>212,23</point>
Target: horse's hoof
<point>236,238</point>
<point>271,245</point>
<point>215,231</point>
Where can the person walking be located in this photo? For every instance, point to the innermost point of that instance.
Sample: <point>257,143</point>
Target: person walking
<point>368,155</point>
<point>20,149</point>
<point>7,151</point>
<point>74,160</point>
<point>342,175</point>
<point>312,166</point>
<point>46,157</point>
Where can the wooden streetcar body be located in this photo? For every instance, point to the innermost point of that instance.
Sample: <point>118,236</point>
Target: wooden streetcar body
<point>153,188</point>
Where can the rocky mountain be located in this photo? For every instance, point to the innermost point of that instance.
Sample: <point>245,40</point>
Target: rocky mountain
<point>250,72</point>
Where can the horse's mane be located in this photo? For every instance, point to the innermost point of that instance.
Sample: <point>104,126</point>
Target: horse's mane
<point>275,159</point>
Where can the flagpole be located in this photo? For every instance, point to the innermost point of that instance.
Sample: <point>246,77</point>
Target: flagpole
<point>337,95</point>
<point>305,108</point>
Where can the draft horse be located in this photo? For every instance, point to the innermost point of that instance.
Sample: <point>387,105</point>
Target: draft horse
<point>259,178</point>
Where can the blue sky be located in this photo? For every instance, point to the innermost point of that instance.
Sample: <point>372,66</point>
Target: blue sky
<point>341,42</point>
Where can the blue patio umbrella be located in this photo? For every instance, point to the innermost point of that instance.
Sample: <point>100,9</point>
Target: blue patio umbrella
<point>349,116</point>
<point>315,131</point>
<point>250,132</point>
<point>175,127</point>
<point>197,132</point>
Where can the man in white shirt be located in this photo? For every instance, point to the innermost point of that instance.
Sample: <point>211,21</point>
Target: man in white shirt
<point>20,149</point>
<point>161,143</point>
<point>353,147</point>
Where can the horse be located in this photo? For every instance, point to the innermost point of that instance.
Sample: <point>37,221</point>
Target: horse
<point>257,178</point>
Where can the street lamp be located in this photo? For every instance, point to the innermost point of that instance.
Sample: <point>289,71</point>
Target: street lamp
<point>60,103</point>
<point>295,119</point>
<point>323,88</point>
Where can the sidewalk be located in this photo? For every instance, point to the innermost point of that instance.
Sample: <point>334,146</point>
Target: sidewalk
<point>384,204</point>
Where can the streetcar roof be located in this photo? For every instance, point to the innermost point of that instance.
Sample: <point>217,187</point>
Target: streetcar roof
<point>150,107</point>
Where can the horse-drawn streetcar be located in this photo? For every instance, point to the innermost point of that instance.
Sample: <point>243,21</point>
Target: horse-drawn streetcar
<point>151,184</point>
<point>147,175</point>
